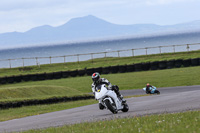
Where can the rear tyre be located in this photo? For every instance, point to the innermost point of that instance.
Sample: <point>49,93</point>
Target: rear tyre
<point>126,108</point>
<point>111,107</point>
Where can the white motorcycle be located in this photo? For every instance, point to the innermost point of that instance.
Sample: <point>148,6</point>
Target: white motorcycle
<point>109,99</point>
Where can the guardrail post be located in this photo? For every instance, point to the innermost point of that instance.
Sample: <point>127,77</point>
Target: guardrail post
<point>64,59</point>
<point>50,59</point>
<point>23,61</point>
<point>105,54</point>
<point>188,47</point>
<point>146,51</point>
<point>160,49</point>
<point>36,59</point>
<point>132,52</point>
<point>174,48</point>
<point>118,53</point>
<point>78,58</point>
<point>10,63</point>
<point>92,57</point>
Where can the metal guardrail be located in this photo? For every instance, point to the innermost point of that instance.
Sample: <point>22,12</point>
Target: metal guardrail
<point>145,52</point>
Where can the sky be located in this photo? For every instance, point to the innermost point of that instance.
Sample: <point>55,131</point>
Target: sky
<point>22,15</point>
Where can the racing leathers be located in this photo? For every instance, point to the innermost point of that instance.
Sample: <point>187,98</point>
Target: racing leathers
<point>148,89</point>
<point>101,81</point>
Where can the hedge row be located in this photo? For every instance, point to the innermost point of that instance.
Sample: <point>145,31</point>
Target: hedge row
<point>104,70</point>
<point>7,105</point>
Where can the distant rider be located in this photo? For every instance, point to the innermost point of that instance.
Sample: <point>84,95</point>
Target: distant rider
<point>148,88</point>
<point>97,81</point>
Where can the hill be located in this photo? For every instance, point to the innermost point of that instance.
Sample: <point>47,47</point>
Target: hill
<point>89,28</point>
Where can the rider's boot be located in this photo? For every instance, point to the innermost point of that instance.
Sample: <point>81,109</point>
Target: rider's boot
<point>123,100</point>
<point>121,97</point>
<point>101,107</point>
<point>116,89</point>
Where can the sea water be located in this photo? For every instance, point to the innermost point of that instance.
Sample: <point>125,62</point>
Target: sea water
<point>41,54</point>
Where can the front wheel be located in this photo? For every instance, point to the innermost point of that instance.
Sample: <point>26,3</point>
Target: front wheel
<point>158,92</point>
<point>111,107</point>
<point>126,108</point>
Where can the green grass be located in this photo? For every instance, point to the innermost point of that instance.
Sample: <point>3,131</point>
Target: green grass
<point>134,80</point>
<point>82,85</point>
<point>17,93</point>
<point>101,62</point>
<point>187,122</point>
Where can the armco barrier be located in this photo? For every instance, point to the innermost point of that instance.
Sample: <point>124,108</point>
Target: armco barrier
<point>103,70</point>
<point>15,104</point>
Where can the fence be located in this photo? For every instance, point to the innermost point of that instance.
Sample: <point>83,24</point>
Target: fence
<point>91,56</point>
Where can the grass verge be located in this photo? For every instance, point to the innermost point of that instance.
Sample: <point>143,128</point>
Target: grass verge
<point>186,122</point>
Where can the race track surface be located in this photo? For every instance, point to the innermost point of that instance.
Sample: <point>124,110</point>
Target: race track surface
<point>172,99</point>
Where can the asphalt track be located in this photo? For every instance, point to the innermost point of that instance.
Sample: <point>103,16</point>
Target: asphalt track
<point>171,99</point>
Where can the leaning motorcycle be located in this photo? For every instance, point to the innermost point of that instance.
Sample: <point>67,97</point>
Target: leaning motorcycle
<point>109,99</point>
<point>153,90</point>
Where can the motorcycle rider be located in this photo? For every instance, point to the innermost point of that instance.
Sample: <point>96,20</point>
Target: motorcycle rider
<point>97,81</point>
<point>148,88</point>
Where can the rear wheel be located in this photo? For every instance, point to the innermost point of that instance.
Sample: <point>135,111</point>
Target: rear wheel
<point>111,107</point>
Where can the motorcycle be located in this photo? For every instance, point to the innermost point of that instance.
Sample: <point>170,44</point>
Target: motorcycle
<point>153,90</point>
<point>109,99</point>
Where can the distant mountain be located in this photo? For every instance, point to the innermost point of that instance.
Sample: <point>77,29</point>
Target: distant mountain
<point>89,28</point>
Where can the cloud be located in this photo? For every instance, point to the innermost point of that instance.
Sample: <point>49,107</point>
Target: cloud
<point>22,15</point>
<point>164,2</point>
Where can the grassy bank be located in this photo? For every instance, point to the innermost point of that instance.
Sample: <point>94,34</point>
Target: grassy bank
<point>102,62</point>
<point>82,85</point>
<point>187,122</point>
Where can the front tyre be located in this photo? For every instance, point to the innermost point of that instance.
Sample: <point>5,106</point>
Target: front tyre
<point>126,108</point>
<point>158,92</point>
<point>111,107</point>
